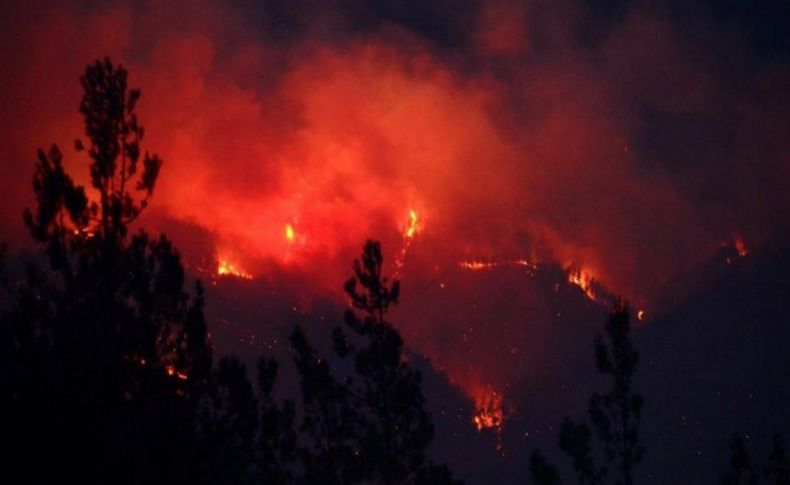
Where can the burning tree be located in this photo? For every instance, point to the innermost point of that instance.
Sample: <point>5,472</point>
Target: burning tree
<point>614,416</point>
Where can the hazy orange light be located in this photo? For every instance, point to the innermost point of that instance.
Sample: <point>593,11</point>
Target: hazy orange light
<point>410,230</point>
<point>475,265</point>
<point>488,412</point>
<point>740,246</point>
<point>226,268</point>
<point>412,227</point>
<point>583,279</point>
<point>290,236</point>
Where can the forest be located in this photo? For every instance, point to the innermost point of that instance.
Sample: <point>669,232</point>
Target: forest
<point>109,374</point>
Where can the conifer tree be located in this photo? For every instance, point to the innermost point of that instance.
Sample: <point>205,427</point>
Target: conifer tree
<point>107,352</point>
<point>368,424</point>
<point>614,417</point>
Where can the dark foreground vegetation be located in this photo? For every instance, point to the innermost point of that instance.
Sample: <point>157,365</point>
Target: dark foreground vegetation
<point>108,374</point>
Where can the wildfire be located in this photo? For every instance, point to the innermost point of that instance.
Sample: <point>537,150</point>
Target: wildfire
<point>488,413</point>
<point>226,268</point>
<point>740,246</point>
<point>290,235</point>
<point>583,279</point>
<point>412,226</point>
<point>475,265</point>
<point>172,372</point>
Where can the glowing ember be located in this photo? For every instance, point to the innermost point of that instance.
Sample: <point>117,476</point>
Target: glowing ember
<point>290,236</point>
<point>584,280</point>
<point>413,226</point>
<point>483,265</point>
<point>488,413</point>
<point>226,268</point>
<point>740,246</point>
<point>640,314</point>
<point>172,372</point>
<point>475,265</point>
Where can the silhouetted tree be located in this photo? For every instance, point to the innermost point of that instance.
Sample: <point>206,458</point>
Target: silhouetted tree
<point>778,463</point>
<point>107,372</point>
<point>541,471</point>
<point>276,452</point>
<point>329,422</point>
<point>396,428</point>
<point>108,353</point>
<point>246,437</point>
<point>370,424</point>
<point>614,416</point>
<point>230,428</point>
<point>745,471</point>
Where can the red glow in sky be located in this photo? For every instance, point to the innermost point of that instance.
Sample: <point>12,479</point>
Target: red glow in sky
<point>292,154</point>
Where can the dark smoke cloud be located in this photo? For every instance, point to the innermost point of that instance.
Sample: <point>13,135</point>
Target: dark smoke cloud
<point>631,140</point>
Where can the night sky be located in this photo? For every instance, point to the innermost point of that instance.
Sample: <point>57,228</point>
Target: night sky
<point>522,162</point>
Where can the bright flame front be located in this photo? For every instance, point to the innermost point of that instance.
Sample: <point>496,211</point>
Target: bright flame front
<point>488,412</point>
<point>226,268</point>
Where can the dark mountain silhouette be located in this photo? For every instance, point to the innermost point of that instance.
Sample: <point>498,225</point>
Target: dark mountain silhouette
<point>716,365</point>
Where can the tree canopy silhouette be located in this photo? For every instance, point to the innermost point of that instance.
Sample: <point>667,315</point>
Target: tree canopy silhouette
<point>614,417</point>
<point>744,470</point>
<point>107,367</point>
<point>107,350</point>
<point>369,424</point>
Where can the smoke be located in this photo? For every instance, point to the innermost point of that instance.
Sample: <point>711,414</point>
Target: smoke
<point>630,142</point>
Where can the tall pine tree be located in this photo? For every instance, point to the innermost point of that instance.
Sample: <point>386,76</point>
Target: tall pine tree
<point>369,423</point>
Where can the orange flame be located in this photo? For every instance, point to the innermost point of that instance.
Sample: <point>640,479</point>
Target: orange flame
<point>290,235</point>
<point>413,225</point>
<point>475,265</point>
<point>488,412</point>
<point>226,268</point>
<point>172,372</point>
<point>583,279</point>
<point>740,246</point>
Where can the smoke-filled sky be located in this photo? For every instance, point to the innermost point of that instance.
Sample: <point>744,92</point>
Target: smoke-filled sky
<point>630,140</point>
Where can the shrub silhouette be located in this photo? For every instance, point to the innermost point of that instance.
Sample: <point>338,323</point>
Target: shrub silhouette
<point>107,368</point>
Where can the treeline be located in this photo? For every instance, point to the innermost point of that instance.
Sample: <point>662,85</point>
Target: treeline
<point>107,373</point>
<point>107,370</point>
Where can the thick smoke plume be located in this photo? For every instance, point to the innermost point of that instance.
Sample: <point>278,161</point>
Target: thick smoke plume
<point>630,143</point>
